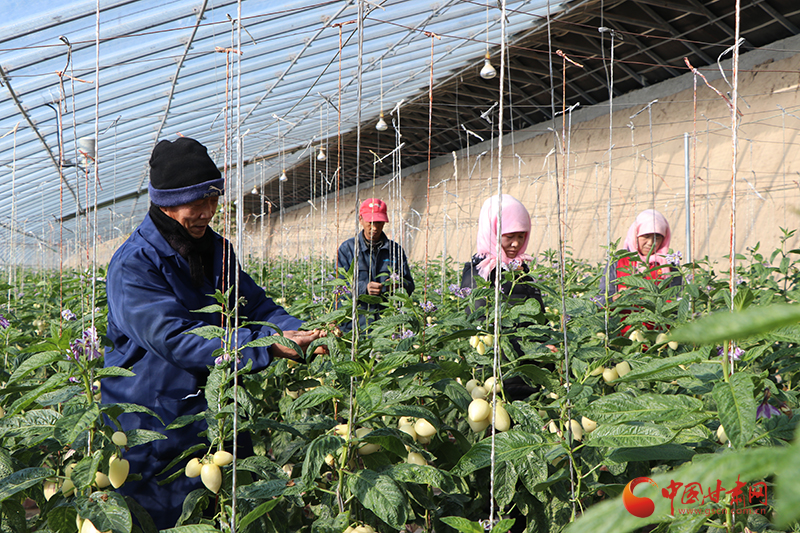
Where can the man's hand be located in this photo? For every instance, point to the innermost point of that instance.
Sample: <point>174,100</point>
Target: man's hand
<point>302,338</point>
<point>374,288</point>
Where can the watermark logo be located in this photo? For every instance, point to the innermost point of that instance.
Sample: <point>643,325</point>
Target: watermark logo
<point>637,506</point>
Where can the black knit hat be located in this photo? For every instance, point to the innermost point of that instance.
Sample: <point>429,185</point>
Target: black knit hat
<point>182,172</point>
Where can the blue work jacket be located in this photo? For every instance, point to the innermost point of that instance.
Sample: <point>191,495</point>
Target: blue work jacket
<point>151,303</point>
<point>375,263</point>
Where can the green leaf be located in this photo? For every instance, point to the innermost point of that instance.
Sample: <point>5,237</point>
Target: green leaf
<point>381,495</point>
<point>195,502</point>
<point>54,382</point>
<point>503,525</point>
<point>142,436</point>
<point>509,446</point>
<point>654,367</point>
<point>21,480</point>
<point>315,397</point>
<point>185,420</point>
<point>737,408</point>
<point>207,332</point>
<point>115,409</point>
<point>629,435</point>
<point>463,525</point>
<point>315,456</point>
<point>723,325</point>
<point>664,452</point>
<point>14,516</point>
<point>262,490</point>
<point>456,392</point>
<point>269,340</point>
<point>33,362</point>
<point>83,474</point>
<point>142,516</point>
<point>193,528</point>
<point>69,427</point>
<point>369,396</point>
<point>350,368</point>
<point>107,511</point>
<point>408,410</point>
<point>621,407</point>
<point>256,513</point>
<point>113,371</point>
<point>425,474</point>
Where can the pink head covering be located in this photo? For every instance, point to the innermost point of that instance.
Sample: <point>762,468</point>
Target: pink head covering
<point>515,219</point>
<point>649,221</point>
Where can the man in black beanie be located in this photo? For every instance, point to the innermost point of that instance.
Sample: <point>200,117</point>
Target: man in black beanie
<point>168,268</point>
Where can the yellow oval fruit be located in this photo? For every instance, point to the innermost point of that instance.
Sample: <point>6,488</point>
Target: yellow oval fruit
<point>721,436</point>
<point>408,428</point>
<point>367,448</point>
<point>364,529</point>
<point>474,340</point>
<point>492,386</point>
<point>293,394</point>
<point>488,340</point>
<point>424,440</point>
<point>597,371</point>
<point>502,422</point>
<point>88,527</point>
<point>478,393</point>
<point>193,467</point>
<point>288,469</point>
<point>119,438</point>
<point>50,488</point>
<point>471,384</point>
<point>101,480</point>
<point>211,476</point>
<point>479,426</point>
<point>424,428</point>
<point>405,421</point>
<point>577,430</point>
<point>68,488</point>
<point>673,345</point>
<point>481,348</point>
<point>610,374</point>
<point>588,424</point>
<point>118,471</point>
<point>330,460</point>
<point>622,368</point>
<point>600,335</point>
<point>478,410</point>
<point>662,338</point>
<point>343,430</point>
<point>415,458</point>
<point>68,470</point>
<point>223,458</point>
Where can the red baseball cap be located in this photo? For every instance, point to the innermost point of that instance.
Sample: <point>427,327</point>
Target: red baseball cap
<point>373,210</point>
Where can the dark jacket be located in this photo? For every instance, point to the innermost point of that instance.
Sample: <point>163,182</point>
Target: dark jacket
<point>375,263</point>
<point>150,305</point>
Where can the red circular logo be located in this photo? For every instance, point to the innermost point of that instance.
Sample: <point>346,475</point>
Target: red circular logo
<point>641,507</point>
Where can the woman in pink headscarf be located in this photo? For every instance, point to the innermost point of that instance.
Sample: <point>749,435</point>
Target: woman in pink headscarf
<point>649,237</point>
<point>515,230</point>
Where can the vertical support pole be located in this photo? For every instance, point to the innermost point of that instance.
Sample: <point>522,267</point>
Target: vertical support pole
<point>686,174</point>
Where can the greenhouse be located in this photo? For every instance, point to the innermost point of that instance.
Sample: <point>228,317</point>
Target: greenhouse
<point>354,266</point>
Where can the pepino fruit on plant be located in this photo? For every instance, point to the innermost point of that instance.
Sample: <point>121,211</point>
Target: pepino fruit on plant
<point>193,467</point>
<point>424,429</point>
<point>610,374</point>
<point>588,424</point>
<point>622,368</point>
<point>50,488</point>
<point>119,438</point>
<point>478,410</point>
<point>366,448</point>
<point>223,458</point>
<point>101,480</point>
<point>211,476</point>
<point>118,471</point>
<point>415,458</point>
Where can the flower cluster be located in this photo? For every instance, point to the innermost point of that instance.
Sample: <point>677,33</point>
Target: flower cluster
<point>88,344</point>
<point>341,290</point>
<point>735,353</point>
<point>404,335</point>
<point>394,277</point>
<point>222,359</point>
<point>4,323</point>
<point>674,258</point>
<point>66,314</point>
<point>459,292</point>
<point>317,299</point>
<point>514,264</point>
<point>428,307</point>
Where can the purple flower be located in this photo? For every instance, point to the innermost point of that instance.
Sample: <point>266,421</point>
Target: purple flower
<point>4,323</point>
<point>289,276</point>
<point>74,380</point>
<point>404,335</point>
<point>674,258</point>
<point>514,264</point>
<point>765,410</point>
<point>224,358</point>
<point>317,299</point>
<point>735,353</point>
<point>428,307</point>
<point>66,314</point>
<point>341,290</point>
<point>394,277</point>
<point>453,288</point>
<point>438,291</point>
<point>88,345</point>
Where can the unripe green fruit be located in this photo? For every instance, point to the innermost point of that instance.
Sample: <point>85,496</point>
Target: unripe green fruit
<point>211,476</point>
<point>610,374</point>
<point>119,438</point>
<point>424,428</point>
<point>193,467</point>
<point>223,458</point>
<point>415,458</point>
<point>478,410</point>
<point>101,480</point>
<point>622,368</point>
<point>588,424</point>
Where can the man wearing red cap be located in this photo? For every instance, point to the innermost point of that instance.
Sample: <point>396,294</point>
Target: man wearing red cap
<point>381,263</point>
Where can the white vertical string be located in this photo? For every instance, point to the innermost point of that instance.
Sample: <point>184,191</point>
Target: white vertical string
<point>734,141</point>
